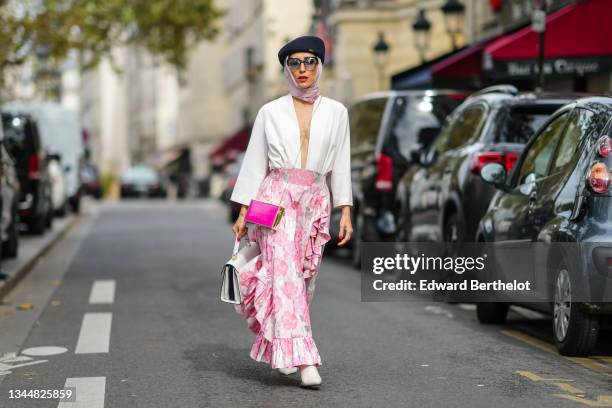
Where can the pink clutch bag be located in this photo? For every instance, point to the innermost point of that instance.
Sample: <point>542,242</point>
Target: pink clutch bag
<point>264,214</point>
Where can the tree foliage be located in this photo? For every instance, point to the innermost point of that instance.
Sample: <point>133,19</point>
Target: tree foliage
<point>51,28</point>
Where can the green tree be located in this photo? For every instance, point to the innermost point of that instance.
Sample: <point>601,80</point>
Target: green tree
<point>167,28</point>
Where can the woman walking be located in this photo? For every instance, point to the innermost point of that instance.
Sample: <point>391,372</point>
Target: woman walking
<point>307,127</point>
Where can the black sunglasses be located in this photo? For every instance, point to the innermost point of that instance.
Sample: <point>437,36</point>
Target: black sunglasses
<point>309,63</point>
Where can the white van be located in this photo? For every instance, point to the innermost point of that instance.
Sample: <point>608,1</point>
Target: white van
<point>60,132</point>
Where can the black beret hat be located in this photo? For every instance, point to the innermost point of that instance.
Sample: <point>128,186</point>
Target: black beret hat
<point>306,43</point>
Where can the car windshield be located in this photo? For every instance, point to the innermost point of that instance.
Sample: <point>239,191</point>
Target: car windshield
<point>419,117</point>
<point>519,123</point>
<point>140,174</point>
<point>89,173</point>
<point>365,120</point>
<point>13,127</point>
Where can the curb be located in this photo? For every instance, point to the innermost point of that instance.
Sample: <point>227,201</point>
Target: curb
<point>22,271</point>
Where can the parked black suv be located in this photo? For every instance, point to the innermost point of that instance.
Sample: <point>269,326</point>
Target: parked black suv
<point>443,198</point>
<point>385,127</point>
<point>22,140</point>
<point>9,197</point>
<point>559,193</point>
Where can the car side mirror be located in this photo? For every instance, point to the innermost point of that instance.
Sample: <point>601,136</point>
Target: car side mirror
<point>427,135</point>
<point>416,153</point>
<point>9,143</point>
<point>527,184</point>
<point>495,174</point>
<point>54,156</point>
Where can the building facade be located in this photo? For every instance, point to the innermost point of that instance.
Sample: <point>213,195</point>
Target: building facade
<point>129,109</point>
<point>357,25</point>
<point>103,111</point>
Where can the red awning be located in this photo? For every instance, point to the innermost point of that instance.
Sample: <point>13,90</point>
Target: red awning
<point>579,30</point>
<point>464,64</point>
<point>238,142</point>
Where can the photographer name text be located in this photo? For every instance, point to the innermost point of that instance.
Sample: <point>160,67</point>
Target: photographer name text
<point>432,285</point>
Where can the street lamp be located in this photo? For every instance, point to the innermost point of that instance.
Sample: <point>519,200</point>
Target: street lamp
<point>421,28</point>
<point>453,18</point>
<point>42,72</point>
<point>539,26</point>
<point>381,56</point>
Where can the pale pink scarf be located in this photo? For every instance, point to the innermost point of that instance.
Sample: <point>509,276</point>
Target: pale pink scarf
<point>309,94</point>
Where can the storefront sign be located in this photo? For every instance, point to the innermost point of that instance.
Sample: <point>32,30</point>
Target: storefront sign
<point>557,66</point>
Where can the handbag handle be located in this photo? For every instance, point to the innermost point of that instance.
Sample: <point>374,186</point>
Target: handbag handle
<point>237,245</point>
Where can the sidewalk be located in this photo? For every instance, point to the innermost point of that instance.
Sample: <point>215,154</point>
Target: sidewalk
<point>31,249</point>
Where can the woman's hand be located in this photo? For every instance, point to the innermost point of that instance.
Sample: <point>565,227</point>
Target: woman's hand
<point>240,228</point>
<point>346,227</point>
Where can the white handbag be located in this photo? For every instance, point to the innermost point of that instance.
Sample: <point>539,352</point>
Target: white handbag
<point>241,258</point>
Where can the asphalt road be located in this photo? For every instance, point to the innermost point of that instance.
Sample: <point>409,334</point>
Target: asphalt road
<point>126,309</point>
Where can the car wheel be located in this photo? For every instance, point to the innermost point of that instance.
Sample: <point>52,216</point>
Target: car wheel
<point>11,246</point>
<point>369,230</point>
<point>492,312</point>
<point>61,212</point>
<point>75,204</point>
<point>356,245</point>
<point>453,234</point>
<point>37,225</point>
<point>575,332</point>
<point>404,228</point>
<point>49,216</point>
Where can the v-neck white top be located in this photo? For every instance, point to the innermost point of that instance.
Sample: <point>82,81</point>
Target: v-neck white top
<point>275,143</point>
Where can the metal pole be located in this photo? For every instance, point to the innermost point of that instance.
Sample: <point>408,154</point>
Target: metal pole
<point>540,85</point>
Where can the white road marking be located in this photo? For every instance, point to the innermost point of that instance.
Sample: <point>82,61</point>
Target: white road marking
<point>95,333</point>
<point>528,313</point>
<point>102,291</point>
<point>44,351</point>
<point>438,311</point>
<point>89,392</point>
<point>7,360</point>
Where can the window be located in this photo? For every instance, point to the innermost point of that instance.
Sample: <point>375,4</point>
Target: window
<point>540,152</point>
<point>579,123</point>
<point>417,117</point>
<point>519,123</point>
<point>461,130</point>
<point>365,118</point>
<point>14,131</point>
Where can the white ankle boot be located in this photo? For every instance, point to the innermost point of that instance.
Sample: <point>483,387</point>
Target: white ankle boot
<point>288,371</point>
<point>310,377</point>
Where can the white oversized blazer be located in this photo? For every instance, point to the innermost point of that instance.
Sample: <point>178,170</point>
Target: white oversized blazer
<point>275,143</point>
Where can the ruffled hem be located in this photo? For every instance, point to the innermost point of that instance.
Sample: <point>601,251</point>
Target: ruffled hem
<point>319,236</point>
<point>285,352</point>
<point>256,292</point>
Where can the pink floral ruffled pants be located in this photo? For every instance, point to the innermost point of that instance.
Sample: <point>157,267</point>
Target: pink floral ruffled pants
<point>278,289</point>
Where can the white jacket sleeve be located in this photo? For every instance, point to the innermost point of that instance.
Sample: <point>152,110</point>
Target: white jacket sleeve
<point>254,165</point>
<point>342,192</point>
